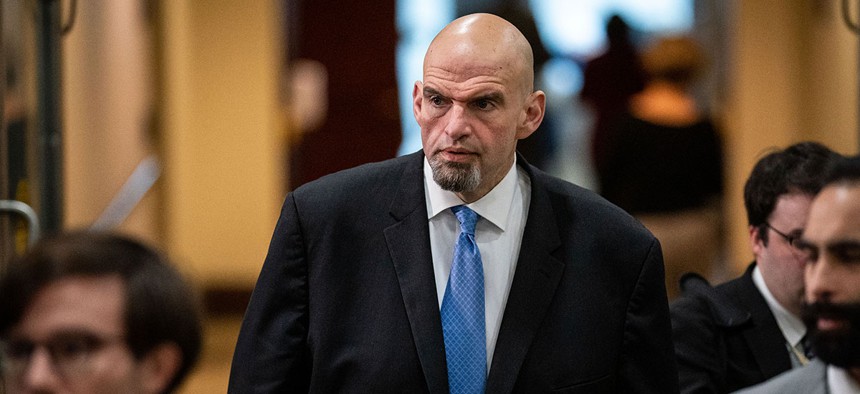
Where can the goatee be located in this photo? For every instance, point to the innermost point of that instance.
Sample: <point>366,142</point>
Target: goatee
<point>455,177</point>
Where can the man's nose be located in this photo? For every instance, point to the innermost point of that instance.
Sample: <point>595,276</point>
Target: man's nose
<point>458,124</point>
<point>40,374</point>
<point>819,280</point>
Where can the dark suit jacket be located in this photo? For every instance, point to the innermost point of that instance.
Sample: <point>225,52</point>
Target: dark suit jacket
<point>346,300</point>
<point>726,337</point>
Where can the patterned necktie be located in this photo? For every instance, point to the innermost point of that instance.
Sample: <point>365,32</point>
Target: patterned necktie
<point>463,311</point>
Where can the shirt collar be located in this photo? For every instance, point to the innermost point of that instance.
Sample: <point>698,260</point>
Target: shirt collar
<point>494,206</point>
<point>791,326</point>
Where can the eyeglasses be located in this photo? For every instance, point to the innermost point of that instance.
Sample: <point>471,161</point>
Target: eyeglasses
<point>793,240</point>
<point>71,354</point>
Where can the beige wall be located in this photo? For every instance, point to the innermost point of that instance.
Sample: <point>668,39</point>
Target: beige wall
<point>793,78</point>
<point>107,76</point>
<point>205,101</point>
<point>222,135</point>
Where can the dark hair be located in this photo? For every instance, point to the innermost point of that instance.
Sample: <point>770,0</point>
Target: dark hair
<point>161,307</point>
<point>800,168</point>
<point>844,171</point>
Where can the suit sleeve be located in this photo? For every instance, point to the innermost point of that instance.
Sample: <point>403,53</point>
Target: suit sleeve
<point>648,362</point>
<point>700,367</point>
<point>271,353</point>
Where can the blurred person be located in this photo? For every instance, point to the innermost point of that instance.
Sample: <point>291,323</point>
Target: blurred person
<point>96,313</point>
<point>748,329</point>
<point>352,47</point>
<point>609,80</point>
<point>664,161</point>
<point>831,248</point>
<point>362,289</point>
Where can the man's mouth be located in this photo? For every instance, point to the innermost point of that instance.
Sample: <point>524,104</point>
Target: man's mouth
<point>829,324</point>
<point>456,155</point>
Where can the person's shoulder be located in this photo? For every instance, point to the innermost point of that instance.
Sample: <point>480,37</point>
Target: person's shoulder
<point>580,207</point>
<point>810,379</point>
<point>579,198</point>
<point>364,177</point>
<point>699,299</point>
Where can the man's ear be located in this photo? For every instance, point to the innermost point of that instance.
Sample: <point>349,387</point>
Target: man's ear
<point>417,100</point>
<point>532,115</point>
<point>756,243</point>
<point>159,366</point>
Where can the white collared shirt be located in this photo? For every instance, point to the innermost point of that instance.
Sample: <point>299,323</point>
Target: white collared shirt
<point>499,234</point>
<point>839,381</point>
<point>792,327</point>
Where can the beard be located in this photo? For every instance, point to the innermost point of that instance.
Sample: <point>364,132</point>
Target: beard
<point>455,177</point>
<point>840,347</point>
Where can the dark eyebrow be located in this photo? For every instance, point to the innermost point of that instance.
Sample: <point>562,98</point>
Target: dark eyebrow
<point>495,97</point>
<point>431,92</point>
<point>842,245</point>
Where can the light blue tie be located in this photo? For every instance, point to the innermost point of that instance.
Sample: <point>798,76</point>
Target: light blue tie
<point>463,311</point>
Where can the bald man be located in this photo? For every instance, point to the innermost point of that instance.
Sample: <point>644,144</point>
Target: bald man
<point>354,293</point>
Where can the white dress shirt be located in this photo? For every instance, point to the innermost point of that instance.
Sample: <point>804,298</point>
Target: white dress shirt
<point>499,234</point>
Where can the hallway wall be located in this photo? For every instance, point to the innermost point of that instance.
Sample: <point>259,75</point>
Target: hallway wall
<point>793,77</point>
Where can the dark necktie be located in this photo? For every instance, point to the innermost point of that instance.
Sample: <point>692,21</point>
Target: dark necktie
<point>463,324</point>
<point>808,351</point>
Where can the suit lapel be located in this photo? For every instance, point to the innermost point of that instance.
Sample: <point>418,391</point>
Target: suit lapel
<point>409,244</point>
<point>535,280</point>
<point>766,337</point>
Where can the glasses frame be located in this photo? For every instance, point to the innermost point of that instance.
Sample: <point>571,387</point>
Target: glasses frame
<point>12,367</point>
<point>793,241</point>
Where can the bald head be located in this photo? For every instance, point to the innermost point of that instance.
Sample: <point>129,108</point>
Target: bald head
<point>484,42</point>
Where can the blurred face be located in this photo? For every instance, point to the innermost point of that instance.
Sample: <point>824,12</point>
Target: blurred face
<point>781,264</point>
<point>71,339</point>
<point>473,105</point>
<point>831,242</point>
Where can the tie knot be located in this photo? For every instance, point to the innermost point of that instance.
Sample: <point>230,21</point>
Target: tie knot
<point>808,351</point>
<point>467,218</point>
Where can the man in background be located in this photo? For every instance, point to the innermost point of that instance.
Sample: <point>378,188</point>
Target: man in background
<point>749,329</point>
<point>96,313</point>
<point>831,249</point>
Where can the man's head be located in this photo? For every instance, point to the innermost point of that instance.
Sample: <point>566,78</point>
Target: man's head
<point>91,313</point>
<point>476,100</point>
<point>831,244</point>
<point>777,196</point>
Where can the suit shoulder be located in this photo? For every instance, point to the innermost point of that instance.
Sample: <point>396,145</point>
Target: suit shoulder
<point>355,182</point>
<point>700,300</point>
<point>574,201</point>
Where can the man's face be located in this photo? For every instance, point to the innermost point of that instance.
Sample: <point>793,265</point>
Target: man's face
<point>831,242</point>
<point>472,111</point>
<point>71,339</point>
<point>781,264</point>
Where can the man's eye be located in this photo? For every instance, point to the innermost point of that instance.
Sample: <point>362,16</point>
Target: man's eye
<point>19,349</point>
<point>848,254</point>
<point>74,347</point>
<point>483,104</point>
<point>436,100</point>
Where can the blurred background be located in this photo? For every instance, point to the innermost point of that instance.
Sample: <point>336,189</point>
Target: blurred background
<point>185,122</point>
